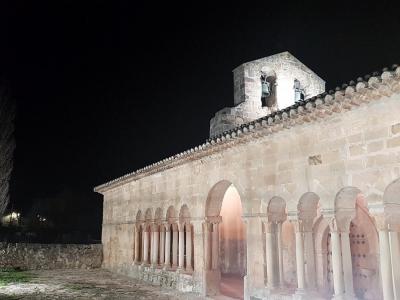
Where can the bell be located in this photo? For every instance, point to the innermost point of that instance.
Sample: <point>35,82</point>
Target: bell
<point>265,89</point>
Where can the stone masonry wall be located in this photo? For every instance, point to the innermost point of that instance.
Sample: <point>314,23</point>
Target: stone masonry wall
<point>359,147</point>
<point>50,256</point>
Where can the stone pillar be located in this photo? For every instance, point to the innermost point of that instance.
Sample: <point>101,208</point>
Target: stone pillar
<point>189,266</point>
<point>207,245</point>
<point>254,278</point>
<point>162,245</point>
<point>309,254</point>
<point>280,253</point>
<point>298,226</point>
<point>146,246</point>
<point>212,274</point>
<point>181,246</point>
<point>167,250</point>
<point>269,249</point>
<point>137,244</point>
<point>395,258</point>
<point>385,258</point>
<point>337,268</point>
<point>215,246</point>
<point>155,250</point>
<point>174,246</point>
<point>346,257</point>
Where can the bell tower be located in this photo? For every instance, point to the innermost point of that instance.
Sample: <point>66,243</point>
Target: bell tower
<point>264,86</point>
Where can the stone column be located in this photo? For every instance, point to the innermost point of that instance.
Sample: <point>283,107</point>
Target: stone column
<point>254,278</point>
<point>207,245</point>
<point>215,246</point>
<point>280,253</point>
<point>162,244</point>
<point>174,246</point>
<point>298,226</point>
<point>181,246</point>
<point>155,250</point>
<point>167,261</point>
<point>142,244</point>
<point>346,257</point>
<point>309,253</point>
<point>337,268</point>
<point>395,258</point>
<point>385,258</point>
<point>137,244</point>
<point>146,246</point>
<point>189,266</point>
<point>269,249</point>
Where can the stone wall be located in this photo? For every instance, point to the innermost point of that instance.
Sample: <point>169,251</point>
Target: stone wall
<point>324,148</point>
<point>50,256</point>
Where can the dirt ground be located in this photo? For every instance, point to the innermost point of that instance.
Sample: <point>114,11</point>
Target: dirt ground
<point>82,284</point>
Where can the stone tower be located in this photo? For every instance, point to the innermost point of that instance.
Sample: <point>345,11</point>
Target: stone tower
<point>266,85</point>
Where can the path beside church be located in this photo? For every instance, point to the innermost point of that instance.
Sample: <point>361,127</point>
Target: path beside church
<point>86,284</point>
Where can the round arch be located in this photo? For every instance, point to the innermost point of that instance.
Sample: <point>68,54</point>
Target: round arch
<point>391,194</point>
<point>148,215</point>
<point>158,215</point>
<point>307,206</point>
<point>184,214</point>
<point>276,209</point>
<point>215,198</point>
<point>391,202</point>
<point>225,238</point>
<point>139,217</point>
<point>171,214</point>
<point>346,198</point>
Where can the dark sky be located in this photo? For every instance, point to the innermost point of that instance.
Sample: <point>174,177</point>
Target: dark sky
<point>104,88</point>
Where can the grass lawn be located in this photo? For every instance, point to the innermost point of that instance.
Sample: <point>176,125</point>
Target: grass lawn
<point>9,276</point>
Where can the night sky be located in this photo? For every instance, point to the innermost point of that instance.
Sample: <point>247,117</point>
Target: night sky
<point>107,87</point>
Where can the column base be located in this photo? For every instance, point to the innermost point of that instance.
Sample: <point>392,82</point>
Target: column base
<point>300,294</point>
<point>153,266</point>
<point>211,282</point>
<point>350,296</point>
<point>339,297</point>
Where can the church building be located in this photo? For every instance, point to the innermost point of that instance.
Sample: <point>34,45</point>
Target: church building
<point>295,195</point>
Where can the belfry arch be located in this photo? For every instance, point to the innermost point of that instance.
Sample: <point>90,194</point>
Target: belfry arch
<point>225,241</point>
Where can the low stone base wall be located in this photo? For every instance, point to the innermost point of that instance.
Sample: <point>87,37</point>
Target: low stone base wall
<point>50,256</point>
<point>170,279</point>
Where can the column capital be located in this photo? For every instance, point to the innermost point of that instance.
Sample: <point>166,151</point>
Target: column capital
<point>214,219</point>
<point>308,225</point>
<point>333,225</point>
<point>207,226</point>
<point>167,227</point>
<point>381,222</point>
<point>343,223</point>
<point>298,224</point>
<point>181,227</point>
<point>394,227</point>
<point>269,227</point>
<point>154,226</point>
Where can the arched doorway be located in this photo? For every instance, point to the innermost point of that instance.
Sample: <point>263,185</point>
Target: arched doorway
<point>364,254</point>
<point>225,242</point>
<point>358,248</point>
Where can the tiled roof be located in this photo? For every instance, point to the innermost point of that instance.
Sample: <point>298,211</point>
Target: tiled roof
<point>349,95</point>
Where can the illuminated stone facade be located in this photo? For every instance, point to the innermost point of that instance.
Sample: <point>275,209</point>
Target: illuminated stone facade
<point>317,185</point>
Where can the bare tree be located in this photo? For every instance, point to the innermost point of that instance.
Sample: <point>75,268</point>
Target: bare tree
<point>7,145</point>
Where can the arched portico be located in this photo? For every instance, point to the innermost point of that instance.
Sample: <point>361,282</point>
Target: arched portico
<point>225,242</point>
